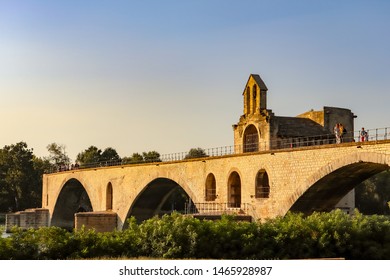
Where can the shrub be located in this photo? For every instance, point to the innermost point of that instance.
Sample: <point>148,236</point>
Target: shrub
<point>172,236</point>
<point>320,235</point>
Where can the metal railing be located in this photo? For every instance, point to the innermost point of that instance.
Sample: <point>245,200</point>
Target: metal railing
<point>214,208</point>
<point>275,144</point>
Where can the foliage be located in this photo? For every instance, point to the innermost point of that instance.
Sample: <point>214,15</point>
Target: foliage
<point>320,235</point>
<point>89,156</point>
<point>94,155</point>
<point>110,155</point>
<point>373,195</point>
<point>42,165</point>
<point>172,236</point>
<point>57,155</point>
<point>196,153</point>
<point>151,156</point>
<point>135,158</point>
<point>20,178</point>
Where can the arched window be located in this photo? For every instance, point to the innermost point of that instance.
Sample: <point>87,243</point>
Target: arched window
<point>211,188</point>
<point>254,101</point>
<point>248,100</point>
<point>109,197</point>
<point>262,184</point>
<point>234,190</point>
<point>251,139</point>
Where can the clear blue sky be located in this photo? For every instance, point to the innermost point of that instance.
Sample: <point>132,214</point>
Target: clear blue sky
<point>168,75</point>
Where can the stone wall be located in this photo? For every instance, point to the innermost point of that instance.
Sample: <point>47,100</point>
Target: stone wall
<point>99,221</point>
<point>30,218</point>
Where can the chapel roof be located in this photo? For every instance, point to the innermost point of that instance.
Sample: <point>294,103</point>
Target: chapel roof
<point>258,81</point>
<point>299,127</point>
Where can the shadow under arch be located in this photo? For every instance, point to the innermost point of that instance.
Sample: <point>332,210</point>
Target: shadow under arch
<point>324,194</point>
<point>161,196</point>
<point>72,199</point>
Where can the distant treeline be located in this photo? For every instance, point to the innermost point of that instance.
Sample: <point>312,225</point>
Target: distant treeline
<point>321,235</point>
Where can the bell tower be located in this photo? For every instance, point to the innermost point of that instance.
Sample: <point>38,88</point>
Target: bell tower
<point>252,130</point>
<point>255,95</point>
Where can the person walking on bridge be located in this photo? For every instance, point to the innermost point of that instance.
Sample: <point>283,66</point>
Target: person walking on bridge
<point>363,135</point>
<point>336,131</point>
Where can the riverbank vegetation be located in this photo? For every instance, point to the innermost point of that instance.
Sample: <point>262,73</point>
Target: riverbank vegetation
<point>175,236</point>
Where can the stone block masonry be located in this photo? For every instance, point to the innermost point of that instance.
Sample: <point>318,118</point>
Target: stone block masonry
<point>99,221</point>
<point>328,171</point>
<point>30,218</point>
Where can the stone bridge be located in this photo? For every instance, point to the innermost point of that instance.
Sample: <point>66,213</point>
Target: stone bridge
<point>262,184</point>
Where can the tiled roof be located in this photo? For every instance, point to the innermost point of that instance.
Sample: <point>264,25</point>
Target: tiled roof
<point>298,127</point>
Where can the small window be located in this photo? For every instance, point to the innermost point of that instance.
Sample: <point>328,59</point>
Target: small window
<point>234,190</point>
<point>262,188</point>
<point>109,197</point>
<point>211,188</point>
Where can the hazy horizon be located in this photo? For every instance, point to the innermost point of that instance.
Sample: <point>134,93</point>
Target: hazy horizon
<point>169,75</point>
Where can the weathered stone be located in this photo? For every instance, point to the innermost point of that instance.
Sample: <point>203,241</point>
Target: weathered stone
<point>30,218</point>
<point>299,176</point>
<point>100,221</point>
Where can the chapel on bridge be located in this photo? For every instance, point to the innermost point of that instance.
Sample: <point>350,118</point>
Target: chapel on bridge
<point>258,129</point>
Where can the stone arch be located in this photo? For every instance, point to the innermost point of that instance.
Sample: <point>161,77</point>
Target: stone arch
<point>324,189</point>
<point>234,190</point>
<point>160,196</point>
<point>210,188</point>
<point>262,188</point>
<point>109,197</point>
<point>73,198</point>
<point>251,139</point>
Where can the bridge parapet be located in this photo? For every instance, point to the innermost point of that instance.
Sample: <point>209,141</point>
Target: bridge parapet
<point>373,135</point>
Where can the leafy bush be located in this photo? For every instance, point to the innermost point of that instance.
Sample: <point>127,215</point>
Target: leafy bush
<point>320,235</point>
<point>172,236</point>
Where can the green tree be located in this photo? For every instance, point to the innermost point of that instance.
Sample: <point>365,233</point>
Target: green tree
<point>89,156</point>
<point>20,178</point>
<point>196,153</point>
<point>57,155</point>
<point>151,156</point>
<point>372,196</point>
<point>110,155</point>
<point>135,158</point>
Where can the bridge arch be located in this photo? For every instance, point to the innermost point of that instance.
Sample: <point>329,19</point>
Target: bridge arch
<point>160,196</point>
<point>73,198</point>
<point>326,187</point>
